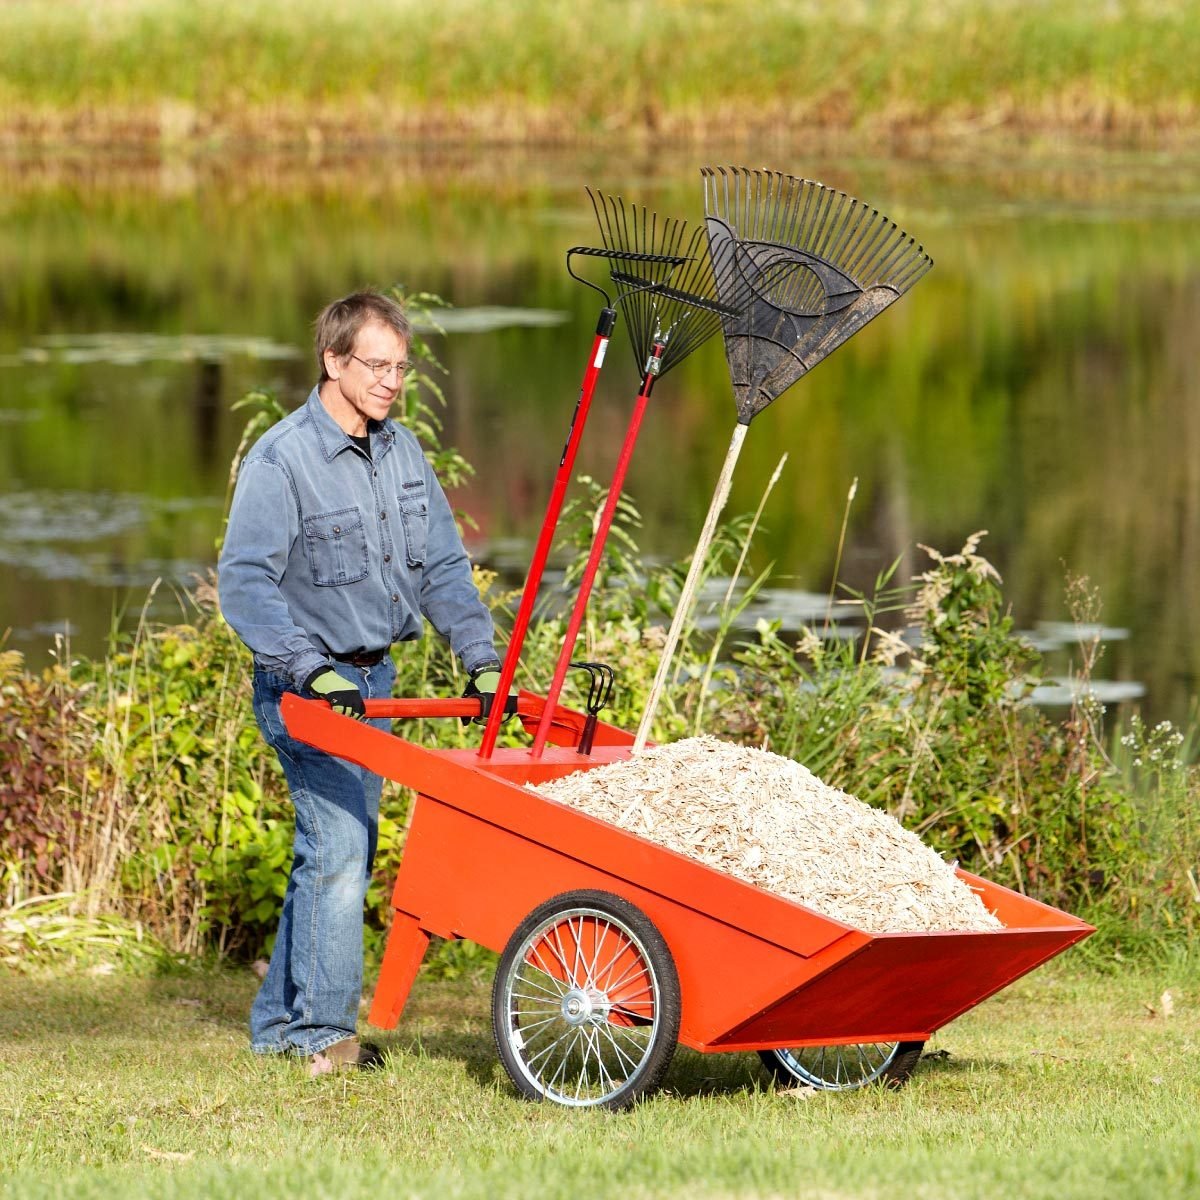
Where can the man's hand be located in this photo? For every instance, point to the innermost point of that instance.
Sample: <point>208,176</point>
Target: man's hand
<point>344,698</point>
<point>484,681</point>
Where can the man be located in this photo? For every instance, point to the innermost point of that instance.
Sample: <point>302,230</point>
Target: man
<point>339,539</point>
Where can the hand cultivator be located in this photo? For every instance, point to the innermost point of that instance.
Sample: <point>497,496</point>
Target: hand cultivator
<point>614,949</point>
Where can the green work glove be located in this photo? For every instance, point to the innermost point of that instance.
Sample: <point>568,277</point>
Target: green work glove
<point>484,681</point>
<point>344,698</point>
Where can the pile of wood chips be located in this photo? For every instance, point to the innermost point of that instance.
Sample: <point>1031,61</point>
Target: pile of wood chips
<point>771,822</point>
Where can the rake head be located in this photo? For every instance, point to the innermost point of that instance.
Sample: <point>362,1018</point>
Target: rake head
<point>683,313</point>
<point>807,266</point>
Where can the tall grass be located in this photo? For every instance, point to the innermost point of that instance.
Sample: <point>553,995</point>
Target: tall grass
<point>554,70</point>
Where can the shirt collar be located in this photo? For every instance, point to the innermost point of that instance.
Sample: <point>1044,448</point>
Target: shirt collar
<point>332,437</point>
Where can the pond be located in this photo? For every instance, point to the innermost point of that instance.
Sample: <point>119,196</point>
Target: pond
<point>1041,382</point>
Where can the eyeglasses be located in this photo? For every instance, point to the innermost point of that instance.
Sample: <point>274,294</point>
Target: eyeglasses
<point>380,367</point>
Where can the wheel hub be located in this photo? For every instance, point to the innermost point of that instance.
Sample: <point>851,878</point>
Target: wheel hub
<point>581,1005</point>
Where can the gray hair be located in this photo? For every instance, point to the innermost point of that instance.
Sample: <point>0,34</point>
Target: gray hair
<point>339,323</point>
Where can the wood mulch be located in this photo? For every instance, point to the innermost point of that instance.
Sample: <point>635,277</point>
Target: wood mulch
<point>771,822</point>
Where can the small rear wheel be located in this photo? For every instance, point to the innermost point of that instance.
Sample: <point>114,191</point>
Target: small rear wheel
<point>585,1007</point>
<point>844,1068</point>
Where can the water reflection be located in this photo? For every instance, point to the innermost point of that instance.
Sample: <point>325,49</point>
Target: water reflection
<point>1041,383</point>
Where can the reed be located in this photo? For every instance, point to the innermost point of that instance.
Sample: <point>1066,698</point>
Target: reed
<point>172,71</point>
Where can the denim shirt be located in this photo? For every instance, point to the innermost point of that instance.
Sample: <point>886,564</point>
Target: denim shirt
<point>328,552</point>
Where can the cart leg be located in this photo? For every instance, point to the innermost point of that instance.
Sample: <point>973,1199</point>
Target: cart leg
<point>406,946</point>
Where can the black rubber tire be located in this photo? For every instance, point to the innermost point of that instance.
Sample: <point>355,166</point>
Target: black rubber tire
<point>892,1070</point>
<point>616,1017</point>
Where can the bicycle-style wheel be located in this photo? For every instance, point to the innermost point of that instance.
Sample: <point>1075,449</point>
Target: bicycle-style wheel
<point>844,1068</point>
<point>585,1007</point>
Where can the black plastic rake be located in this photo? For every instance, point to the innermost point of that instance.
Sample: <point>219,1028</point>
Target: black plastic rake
<point>812,266</point>
<point>806,267</point>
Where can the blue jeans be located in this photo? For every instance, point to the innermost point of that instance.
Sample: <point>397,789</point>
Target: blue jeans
<point>310,996</point>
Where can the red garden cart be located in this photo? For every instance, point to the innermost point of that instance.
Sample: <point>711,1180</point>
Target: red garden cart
<point>613,949</point>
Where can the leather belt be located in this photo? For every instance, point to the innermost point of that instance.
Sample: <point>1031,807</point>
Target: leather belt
<point>362,658</point>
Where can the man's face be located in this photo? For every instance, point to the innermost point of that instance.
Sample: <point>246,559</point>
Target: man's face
<point>368,396</point>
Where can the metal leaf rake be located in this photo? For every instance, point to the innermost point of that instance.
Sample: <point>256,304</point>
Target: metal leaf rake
<point>668,318</point>
<point>805,267</point>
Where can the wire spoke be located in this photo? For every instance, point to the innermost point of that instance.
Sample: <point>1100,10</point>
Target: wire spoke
<point>543,967</point>
<point>601,932</point>
<point>562,955</point>
<point>556,991</point>
<point>608,1084</point>
<point>631,1064</point>
<point>533,1029</point>
<point>636,966</point>
<point>533,1059</point>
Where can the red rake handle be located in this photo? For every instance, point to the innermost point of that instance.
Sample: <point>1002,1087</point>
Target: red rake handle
<point>593,562</point>
<point>546,538</point>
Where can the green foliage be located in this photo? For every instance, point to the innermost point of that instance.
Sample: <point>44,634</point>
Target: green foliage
<point>1164,882</point>
<point>47,932</point>
<point>419,405</point>
<point>33,711</point>
<point>952,747</point>
<point>176,817</point>
<point>618,569</point>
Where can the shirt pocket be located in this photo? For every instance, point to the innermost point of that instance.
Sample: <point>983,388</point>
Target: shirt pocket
<point>337,547</point>
<point>414,514</point>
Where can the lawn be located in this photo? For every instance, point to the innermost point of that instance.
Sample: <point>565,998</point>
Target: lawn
<point>1072,1083</point>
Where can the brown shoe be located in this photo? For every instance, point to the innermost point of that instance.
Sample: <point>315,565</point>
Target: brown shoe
<point>347,1055</point>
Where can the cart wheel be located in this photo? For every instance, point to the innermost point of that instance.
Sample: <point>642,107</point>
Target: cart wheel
<point>844,1068</point>
<point>585,1007</point>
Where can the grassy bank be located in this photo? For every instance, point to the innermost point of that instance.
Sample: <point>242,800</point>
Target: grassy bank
<point>168,71</point>
<point>1066,1085</point>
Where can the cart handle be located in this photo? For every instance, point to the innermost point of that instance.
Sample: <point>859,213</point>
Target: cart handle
<point>566,723</point>
<point>414,709</point>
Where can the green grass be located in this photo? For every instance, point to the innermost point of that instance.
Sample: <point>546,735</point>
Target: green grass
<point>555,70</point>
<point>1063,1086</point>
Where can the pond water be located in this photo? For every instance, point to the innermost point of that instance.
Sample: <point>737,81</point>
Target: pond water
<point>1042,382</point>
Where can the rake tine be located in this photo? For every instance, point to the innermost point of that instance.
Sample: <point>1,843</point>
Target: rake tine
<point>891,257</point>
<point>762,204</point>
<point>741,198</point>
<point>732,184</point>
<point>599,217</point>
<point>786,210</point>
<point>785,199</point>
<point>841,207</point>
<point>916,270</point>
<point>809,193</point>
<point>867,253</point>
<point>853,232</point>
<point>897,255</point>
<point>761,185</point>
<point>824,204</point>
